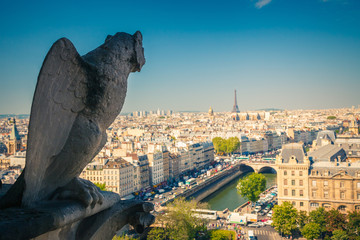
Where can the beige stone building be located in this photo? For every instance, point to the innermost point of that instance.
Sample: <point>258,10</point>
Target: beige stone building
<point>156,167</point>
<point>119,177</point>
<point>93,172</point>
<point>141,170</point>
<point>323,178</point>
<point>4,162</point>
<point>166,159</point>
<point>292,176</point>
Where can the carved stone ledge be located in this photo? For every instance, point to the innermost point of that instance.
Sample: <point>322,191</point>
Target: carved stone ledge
<point>71,220</point>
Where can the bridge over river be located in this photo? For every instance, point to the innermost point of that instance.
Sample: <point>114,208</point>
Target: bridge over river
<point>260,166</point>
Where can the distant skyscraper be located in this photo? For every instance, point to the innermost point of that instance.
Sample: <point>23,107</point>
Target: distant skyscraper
<point>235,107</point>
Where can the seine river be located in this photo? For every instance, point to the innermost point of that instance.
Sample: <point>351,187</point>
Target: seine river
<point>227,197</point>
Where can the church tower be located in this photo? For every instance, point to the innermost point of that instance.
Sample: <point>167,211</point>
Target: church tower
<point>211,113</point>
<point>14,143</point>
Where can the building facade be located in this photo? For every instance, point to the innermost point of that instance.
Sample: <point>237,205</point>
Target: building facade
<point>322,178</point>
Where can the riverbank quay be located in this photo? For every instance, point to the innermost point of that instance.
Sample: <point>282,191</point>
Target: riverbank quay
<point>205,188</point>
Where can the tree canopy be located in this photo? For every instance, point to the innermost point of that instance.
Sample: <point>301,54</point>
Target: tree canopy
<point>339,235</point>
<point>319,216</point>
<point>179,222</point>
<point>335,220</point>
<point>252,186</point>
<point>311,231</point>
<point>226,146</point>
<point>285,218</point>
<point>102,186</point>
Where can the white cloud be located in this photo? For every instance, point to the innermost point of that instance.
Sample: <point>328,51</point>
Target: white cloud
<point>259,4</point>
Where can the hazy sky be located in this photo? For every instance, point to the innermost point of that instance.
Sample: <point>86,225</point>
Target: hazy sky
<point>276,53</point>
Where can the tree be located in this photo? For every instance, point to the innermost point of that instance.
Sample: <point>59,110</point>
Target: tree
<point>227,146</point>
<point>221,235</point>
<point>252,186</point>
<point>284,218</point>
<point>302,219</point>
<point>331,117</point>
<point>232,144</point>
<point>102,186</point>
<point>319,216</point>
<point>311,231</point>
<point>339,235</point>
<point>123,237</point>
<point>335,220</point>
<point>180,222</point>
<point>219,145</point>
<point>157,234</point>
<point>353,225</point>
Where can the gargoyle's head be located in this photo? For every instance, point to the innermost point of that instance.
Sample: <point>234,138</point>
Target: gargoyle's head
<point>127,47</point>
<point>119,51</point>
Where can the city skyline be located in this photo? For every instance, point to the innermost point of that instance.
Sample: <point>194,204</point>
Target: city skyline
<point>276,53</point>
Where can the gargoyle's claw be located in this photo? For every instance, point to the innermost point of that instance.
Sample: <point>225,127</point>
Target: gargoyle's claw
<point>80,190</point>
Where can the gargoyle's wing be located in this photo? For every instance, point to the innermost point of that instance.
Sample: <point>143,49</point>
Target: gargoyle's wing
<point>60,94</point>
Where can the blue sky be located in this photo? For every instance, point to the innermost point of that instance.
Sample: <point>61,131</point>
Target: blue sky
<point>299,54</point>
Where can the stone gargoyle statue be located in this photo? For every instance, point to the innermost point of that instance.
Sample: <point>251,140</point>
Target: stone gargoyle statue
<point>75,101</point>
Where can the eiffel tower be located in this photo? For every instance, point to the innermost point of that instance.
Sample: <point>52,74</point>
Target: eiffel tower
<point>235,107</point>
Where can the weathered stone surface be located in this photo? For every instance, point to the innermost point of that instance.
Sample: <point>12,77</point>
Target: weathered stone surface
<point>71,220</point>
<point>75,101</point>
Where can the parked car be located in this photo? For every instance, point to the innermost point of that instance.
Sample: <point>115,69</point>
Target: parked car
<point>255,225</point>
<point>268,222</point>
<point>257,208</point>
<point>261,224</point>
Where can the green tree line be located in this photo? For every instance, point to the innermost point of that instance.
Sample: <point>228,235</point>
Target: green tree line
<point>225,146</point>
<point>180,223</point>
<point>318,224</point>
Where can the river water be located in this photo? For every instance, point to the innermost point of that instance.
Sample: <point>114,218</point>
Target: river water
<point>228,197</point>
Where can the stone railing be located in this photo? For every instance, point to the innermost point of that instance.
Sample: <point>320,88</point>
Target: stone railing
<point>71,220</point>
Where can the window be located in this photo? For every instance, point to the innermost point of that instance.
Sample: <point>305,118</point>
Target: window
<point>314,183</point>
<point>285,173</point>
<point>292,173</point>
<point>285,181</point>
<point>358,184</point>
<point>301,182</point>
<point>342,184</point>
<point>326,194</point>
<point>313,194</point>
<point>358,196</point>
<point>293,193</point>
<point>285,192</point>
<point>294,204</point>
<point>301,193</point>
<point>314,204</point>
<point>342,195</point>
<point>357,207</point>
<point>301,204</point>
<point>300,173</point>
<point>342,208</point>
<point>326,183</point>
<point>293,182</point>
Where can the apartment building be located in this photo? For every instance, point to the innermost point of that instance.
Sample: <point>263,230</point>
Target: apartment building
<point>119,177</point>
<point>156,166</point>
<point>322,178</point>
